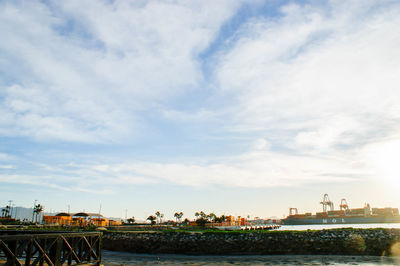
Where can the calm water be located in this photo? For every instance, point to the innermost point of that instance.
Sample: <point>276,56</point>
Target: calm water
<point>112,258</point>
<point>332,226</point>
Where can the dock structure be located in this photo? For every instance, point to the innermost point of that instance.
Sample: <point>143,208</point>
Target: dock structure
<point>50,248</point>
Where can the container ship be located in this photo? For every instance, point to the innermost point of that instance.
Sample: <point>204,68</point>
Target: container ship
<point>343,216</point>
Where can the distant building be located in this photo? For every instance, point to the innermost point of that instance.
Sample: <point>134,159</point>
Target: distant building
<point>80,219</point>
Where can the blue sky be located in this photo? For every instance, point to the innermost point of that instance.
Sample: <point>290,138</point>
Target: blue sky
<point>236,107</point>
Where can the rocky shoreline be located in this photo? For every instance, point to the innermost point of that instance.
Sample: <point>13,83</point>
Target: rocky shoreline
<point>349,241</point>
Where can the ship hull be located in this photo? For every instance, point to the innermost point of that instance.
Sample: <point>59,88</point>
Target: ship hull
<point>341,220</point>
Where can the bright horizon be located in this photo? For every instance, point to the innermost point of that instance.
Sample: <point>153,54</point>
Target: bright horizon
<point>232,107</point>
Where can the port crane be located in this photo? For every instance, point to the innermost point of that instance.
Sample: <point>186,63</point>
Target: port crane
<point>326,202</point>
<point>343,205</point>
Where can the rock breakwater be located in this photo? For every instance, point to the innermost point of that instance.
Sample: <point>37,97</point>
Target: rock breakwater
<point>334,242</point>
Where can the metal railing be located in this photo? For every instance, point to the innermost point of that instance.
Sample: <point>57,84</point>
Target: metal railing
<point>50,248</point>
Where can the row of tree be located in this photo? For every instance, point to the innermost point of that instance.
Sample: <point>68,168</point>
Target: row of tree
<point>201,218</point>
<point>6,211</point>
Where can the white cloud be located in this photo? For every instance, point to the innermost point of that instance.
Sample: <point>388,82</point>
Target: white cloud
<point>260,144</point>
<point>309,88</point>
<point>330,132</point>
<point>327,75</point>
<point>6,166</point>
<point>6,157</point>
<point>90,67</point>
<point>252,169</point>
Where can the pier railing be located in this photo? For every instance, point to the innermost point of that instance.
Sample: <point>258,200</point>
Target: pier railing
<point>50,248</point>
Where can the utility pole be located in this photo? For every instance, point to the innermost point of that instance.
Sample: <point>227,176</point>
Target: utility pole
<point>126,214</point>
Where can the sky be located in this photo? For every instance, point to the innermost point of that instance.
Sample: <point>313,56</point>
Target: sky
<point>241,107</point>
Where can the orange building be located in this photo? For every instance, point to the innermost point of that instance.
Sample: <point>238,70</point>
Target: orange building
<point>99,221</point>
<point>58,219</point>
<point>79,221</point>
<point>114,223</point>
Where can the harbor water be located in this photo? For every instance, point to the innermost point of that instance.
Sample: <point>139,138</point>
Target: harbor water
<point>113,258</point>
<point>333,226</point>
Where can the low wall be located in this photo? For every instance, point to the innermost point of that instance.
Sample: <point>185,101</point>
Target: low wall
<point>335,242</point>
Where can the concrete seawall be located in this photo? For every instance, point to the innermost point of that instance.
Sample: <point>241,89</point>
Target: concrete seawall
<point>334,242</point>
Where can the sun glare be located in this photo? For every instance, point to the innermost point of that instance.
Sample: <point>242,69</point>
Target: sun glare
<point>386,159</point>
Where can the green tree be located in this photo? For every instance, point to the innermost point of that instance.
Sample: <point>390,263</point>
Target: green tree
<point>201,218</point>
<point>152,219</point>
<point>37,210</point>
<point>220,219</point>
<point>5,212</point>
<point>201,221</point>
<point>131,220</point>
<point>159,216</point>
<point>212,217</point>
<point>178,216</point>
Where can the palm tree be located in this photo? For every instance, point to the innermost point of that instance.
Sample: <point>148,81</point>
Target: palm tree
<point>220,219</point>
<point>4,211</point>
<point>152,219</point>
<point>7,211</point>
<point>37,210</point>
<point>212,217</point>
<point>158,214</point>
<point>203,218</point>
<point>178,216</point>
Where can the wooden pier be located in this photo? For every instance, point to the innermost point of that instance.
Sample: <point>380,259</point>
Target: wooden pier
<point>50,248</point>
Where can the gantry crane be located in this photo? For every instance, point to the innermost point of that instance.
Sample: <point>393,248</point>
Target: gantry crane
<point>326,202</point>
